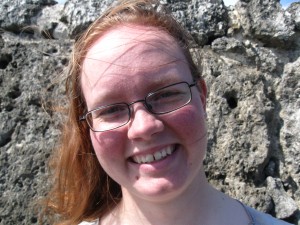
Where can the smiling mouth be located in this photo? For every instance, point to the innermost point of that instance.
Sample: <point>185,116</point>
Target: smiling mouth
<point>159,155</point>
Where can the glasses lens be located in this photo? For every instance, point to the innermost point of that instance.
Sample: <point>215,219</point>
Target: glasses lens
<point>169,98</point>
<point>108,117</point>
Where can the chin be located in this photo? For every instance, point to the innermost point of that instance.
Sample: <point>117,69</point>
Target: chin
<point>158,190</point>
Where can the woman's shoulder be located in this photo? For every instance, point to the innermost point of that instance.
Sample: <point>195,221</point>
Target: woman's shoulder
<point>95,222</point>
<point>260,218</point>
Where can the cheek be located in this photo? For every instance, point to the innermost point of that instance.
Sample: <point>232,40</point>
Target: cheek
<point>189,123</point>
<point>107,145</point>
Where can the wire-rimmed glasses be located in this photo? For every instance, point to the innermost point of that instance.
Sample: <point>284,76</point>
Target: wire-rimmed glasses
<point>161,101</point>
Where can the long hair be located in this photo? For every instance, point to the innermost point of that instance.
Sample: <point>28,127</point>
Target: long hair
<point>81,188</point>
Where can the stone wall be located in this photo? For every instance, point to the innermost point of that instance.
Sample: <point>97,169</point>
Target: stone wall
<point>250,57</point>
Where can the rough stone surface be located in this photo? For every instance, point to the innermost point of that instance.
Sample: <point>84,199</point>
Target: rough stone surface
<point>294,10</point>
<point>250,58</point>
<point>204,19</point>
<point>18,14</point>
<point>266,21</point>
<point>49,23</point>
<point>79,15</point>
<point>27,129</point>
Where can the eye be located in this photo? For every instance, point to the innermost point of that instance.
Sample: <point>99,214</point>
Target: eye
<point>166,96</point>
<point>110,112</point>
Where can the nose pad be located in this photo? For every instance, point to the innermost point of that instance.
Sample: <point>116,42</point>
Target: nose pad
<point>143,124</point>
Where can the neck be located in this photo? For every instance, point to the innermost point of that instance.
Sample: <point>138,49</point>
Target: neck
<point>192,206</point>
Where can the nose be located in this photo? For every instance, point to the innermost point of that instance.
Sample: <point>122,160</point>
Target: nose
<point>143,125</point>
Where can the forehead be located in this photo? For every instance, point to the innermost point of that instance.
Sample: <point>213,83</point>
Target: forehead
<point>132,47</point>
<point>129,40</point>
<point>131,58</point>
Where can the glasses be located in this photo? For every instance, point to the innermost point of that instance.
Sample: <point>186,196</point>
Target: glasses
<point>161,101</point>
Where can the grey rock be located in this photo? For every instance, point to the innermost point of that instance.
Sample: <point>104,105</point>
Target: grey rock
<point>253,93</point>
<point>249,55</point>
<point>27,123</point>
<point>61,31</point>
<point>294,10</point>
<point>79,14</point>
<point>49,23</point>
<point>205,20</point>
<point>16,15</point>
<point>266,21</point>
<point>285,205</point>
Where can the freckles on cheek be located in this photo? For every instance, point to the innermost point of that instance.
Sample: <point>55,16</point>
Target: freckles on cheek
<point>190,121</point>
<point>106,144</point>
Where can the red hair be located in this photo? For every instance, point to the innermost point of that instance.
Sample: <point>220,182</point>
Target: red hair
<point>81,188</point>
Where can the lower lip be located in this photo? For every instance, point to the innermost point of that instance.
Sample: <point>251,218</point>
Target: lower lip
<point>157,165</point>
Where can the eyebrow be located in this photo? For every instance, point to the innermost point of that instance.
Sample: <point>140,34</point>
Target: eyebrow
<point>110,97</point>
<point>159,83</point>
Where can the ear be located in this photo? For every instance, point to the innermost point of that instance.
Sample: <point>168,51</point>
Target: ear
<point>202,91</point>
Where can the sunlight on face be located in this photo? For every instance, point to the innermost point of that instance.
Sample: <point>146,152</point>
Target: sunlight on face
<point>124,65</point>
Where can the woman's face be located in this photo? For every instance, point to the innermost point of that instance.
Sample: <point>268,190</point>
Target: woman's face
<point>124,65</point>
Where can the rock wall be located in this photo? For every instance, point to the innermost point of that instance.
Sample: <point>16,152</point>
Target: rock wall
<point>250,57</point>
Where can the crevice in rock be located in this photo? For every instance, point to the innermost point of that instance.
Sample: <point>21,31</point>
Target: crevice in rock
<point>271,169</point>
<point>5,59</point>
<point>14,93</point>
<point>5,137</point>
<point>231,99</point>
<point>273,122</point>
<point>293,219</point>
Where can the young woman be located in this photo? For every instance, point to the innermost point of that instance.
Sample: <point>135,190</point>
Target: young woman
<point>136,136</point>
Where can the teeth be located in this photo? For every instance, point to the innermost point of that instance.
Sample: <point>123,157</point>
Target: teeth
<point>138,160</point>
<point>164,153</point>
<point>149,158</point>
<point>155,157</point>
<point>169,150</point>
